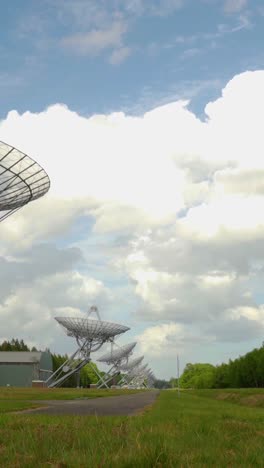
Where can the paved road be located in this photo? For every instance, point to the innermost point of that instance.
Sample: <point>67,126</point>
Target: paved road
<point>106,406</point>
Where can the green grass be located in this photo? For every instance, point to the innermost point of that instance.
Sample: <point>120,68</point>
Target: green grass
<point>190,431</point>
<point>12,393</point>
<point>9,406</point>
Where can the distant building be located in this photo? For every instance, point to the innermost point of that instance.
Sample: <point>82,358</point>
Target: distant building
<point>20,368</point>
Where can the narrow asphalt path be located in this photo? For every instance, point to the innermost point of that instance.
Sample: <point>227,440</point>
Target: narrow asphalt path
<point>122,405</point>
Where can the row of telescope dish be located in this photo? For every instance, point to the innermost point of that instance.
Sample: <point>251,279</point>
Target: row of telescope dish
<point>91,334</point>
<point>23,180</point>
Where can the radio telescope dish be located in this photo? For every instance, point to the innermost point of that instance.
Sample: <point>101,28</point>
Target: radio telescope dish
<point>150,378</point>
<point>137,377</point>
<point>117,354</point>
<point>137,371</point>
<point>116,357</point>
<point>130,367</point>
<point>90,335</point>
<point>90,329</point>
<point>131,364</point>
<point>22,180</point>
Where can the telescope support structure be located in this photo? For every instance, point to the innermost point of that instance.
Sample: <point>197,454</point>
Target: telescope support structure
<point>90,335</point>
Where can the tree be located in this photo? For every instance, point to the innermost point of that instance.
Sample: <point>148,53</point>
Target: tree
<point>88,374</point>
<point>161,384</point>
<point>197,376</point>
<point>14,345</point>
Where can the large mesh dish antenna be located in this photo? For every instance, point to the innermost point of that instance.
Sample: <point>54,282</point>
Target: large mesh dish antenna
<point>90,329</point>
<point>133,363</point>
<point>138,377</point>
<point>116,358</point>
<point>90,334</point>
<point>22,180</point>
<point>138,370</point>
<point>117,354</point>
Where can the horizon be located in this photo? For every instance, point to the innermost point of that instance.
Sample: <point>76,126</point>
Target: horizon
<point>148,120</point>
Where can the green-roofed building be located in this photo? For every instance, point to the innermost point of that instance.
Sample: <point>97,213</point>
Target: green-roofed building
<point>20,368</point>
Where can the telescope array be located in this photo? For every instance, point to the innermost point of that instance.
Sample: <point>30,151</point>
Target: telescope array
<point>133,376</point>
<point>132,364</point>
<point>90,335</point>
<point>115,358</point>
<point>22,180</point>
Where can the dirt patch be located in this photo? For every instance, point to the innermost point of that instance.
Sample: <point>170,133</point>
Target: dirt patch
<point>28,410</point>
<point>256,400</point>
<point>253,400</point>
<point>226,396</point>
<point>238,424</point>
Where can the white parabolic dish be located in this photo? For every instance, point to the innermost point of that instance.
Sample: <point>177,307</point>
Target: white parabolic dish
<point>131,364</point>
<point>90,329</point>
<point>138,370</point>
<point>117,354</point>
<point>21,178</point>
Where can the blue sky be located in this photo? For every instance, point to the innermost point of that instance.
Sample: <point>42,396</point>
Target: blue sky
<point>147,53</point>
<point>143,211</point>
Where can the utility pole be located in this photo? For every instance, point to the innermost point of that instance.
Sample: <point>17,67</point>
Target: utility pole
<point>178,374</point>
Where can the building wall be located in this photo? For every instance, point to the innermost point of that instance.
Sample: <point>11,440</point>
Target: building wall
<point>45,365</point>
<point>16,375</point>
<point>21,374</point>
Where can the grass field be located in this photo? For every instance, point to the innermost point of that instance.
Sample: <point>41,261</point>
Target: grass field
<point>191,431</point>
<point>16,405</point>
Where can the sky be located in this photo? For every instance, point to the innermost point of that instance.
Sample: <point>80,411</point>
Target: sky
<point>147,116</point>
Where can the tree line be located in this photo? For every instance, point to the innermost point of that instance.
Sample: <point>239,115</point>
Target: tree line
<point>244,372</point>
<point>15,345</point>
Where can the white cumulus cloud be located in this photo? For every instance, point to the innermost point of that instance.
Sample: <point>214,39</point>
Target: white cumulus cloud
<point>182,198</point>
